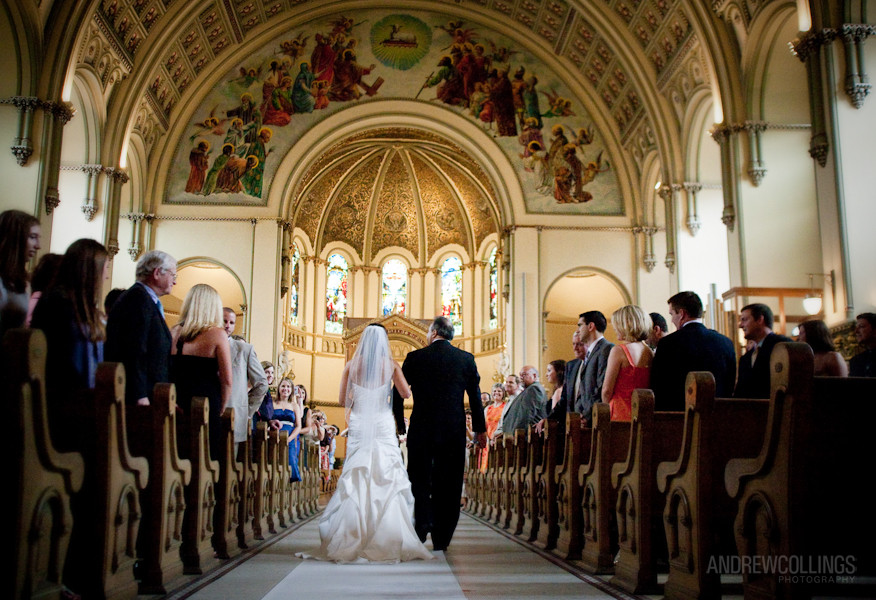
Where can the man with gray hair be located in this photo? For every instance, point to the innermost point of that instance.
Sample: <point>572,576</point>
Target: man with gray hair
<point>529,407</point>
<point>136,333</point>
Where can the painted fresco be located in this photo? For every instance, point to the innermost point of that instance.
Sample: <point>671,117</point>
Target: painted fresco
<point>247,123</point>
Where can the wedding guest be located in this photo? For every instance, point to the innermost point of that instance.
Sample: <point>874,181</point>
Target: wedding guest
<point>828,362</point>
<point>629,362</point>
<point>43,275</point>
<point>753,379</point>
<point>307,421</point>
<point>513,386</point>
<point>265,411</point>
<point>110,300</point>
<point>136,333</point>
<point>200,361</point>
<point>658,329</point>
<point>70,316</point>
<point>492,415</point>
<point>485,399</point>
<point>249,382</point>
<point>555,375</point>
<point>286,411</point>
<point>864,364</point>
<point>19,243</point>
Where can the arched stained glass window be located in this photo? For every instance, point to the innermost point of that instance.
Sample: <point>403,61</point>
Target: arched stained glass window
<point>295,286</point>
<point>494,290</point>
<point>336,293</point>
<point>395,287</point>
<point>451,292</point>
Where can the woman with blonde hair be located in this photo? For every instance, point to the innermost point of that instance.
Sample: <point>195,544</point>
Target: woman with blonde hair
<point>288,413</point>
<point>200,361</point>
<point>629,362</point>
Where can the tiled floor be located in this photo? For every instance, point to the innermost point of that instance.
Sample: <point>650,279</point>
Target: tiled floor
<point>481,564</point>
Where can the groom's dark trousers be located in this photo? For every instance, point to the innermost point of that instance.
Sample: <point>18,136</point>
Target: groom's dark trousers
<point>440,376</point>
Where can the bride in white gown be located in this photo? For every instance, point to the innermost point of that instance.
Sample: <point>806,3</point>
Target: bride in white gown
<point>370,516</point>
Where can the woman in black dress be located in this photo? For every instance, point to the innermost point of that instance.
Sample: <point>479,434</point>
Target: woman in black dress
<point>200,361</point>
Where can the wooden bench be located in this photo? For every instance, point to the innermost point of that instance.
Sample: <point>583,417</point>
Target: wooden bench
<point>698,517</point>
<point>496,481</point>
<point>42,479</point>
<point>505,499</point>
<point>516,447</point>
<point>246,483</point>
<point>818,430</point>
<point>577,449</point>
<point>200,492</point>
<point>546,489</point>
<point>609,445</point>
<point>262,481</point>
<point>528,482</point>
<point>152,434</point>
<point>655,437</point>
<point>228,492</point>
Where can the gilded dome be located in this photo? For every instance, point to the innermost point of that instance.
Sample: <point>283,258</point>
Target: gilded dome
<point>396,187</point>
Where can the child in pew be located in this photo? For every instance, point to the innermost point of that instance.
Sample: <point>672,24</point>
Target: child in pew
<point>19,242</point>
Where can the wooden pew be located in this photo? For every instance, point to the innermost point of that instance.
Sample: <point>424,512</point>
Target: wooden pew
<point>699,514</point>
<point>197,534</point>
<point>473,481</point>
<point>152,434</point>
<point>488,480</point>
<point>42,480</point>
<point>546,489</point>
<point>228,493</point>
<point>577,449</point>
<point>246,483</point>
<point>528,482</point>
<point>610,443</point>
<point>516,464</point>
<point>262,481</point>
<point>655,437</point>
<point>287,512</point>
<point>500,508</point>
<point>273,476</point>
<point>497,482</point>
<point>817,431</point>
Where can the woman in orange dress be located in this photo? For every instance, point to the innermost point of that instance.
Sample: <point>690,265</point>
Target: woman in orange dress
<point>629,362</point>
<point>492,415</point>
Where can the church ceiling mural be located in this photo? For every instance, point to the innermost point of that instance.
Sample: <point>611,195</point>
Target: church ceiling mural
<point>248,122</point>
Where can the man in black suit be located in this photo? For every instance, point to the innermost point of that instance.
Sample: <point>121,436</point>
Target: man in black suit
<point>693,347</point>
<point>587,382</point>
<point>756,323</point>
<point>567,397</point>
<point>136,333</point>
<point>440,376</point>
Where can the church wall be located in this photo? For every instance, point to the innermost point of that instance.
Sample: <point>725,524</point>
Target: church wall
<point>855,150</point>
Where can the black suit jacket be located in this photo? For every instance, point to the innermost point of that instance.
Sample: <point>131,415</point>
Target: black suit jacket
<point>694,347</point>
<point>440,376</point>
<point>567,400</point>
<point>754,379</point>
<point>138,337</point>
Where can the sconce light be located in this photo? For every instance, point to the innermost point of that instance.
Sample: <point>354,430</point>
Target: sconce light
<point>812,302</point>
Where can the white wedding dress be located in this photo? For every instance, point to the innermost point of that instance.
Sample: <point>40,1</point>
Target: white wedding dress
<point>370,516</point>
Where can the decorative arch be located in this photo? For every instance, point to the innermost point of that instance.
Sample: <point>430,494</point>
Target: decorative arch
<point>226,281</point>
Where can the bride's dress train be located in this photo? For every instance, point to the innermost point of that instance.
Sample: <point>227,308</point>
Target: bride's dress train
<point>370,516</point>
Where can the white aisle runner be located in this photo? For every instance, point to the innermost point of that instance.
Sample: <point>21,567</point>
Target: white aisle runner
<point>420,579</point>
<point>482,564</point>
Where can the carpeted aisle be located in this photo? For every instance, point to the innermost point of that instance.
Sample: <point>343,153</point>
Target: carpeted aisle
<point>481,564</point>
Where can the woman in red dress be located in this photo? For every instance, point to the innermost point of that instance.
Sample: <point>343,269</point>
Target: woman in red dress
<point>629,362</point>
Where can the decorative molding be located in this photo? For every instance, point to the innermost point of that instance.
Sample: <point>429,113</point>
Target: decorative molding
<point>134,250</point>
<point>52,200</point>
<point>22,148</point>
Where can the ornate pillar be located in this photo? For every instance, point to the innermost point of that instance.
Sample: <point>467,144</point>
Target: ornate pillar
<point>117,178</point>
<point>669,194</point>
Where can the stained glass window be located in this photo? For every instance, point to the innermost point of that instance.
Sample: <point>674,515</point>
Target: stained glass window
<point>395,287</point>
<point>336,294</point>
<point>451,292</point>
<point>295,286</point>
<point>494,290</point>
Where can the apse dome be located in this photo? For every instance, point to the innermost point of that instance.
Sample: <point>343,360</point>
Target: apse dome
<point>397,187</point>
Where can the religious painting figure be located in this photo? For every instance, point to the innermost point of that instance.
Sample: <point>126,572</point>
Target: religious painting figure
<point>198,161</point>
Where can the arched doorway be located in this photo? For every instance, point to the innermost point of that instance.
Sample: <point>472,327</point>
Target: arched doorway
<point>570,295</point>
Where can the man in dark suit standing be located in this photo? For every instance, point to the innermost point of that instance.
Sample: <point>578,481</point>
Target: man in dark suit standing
<point>136,333</point>
<point>440,376</point>
<point>756,323</point>
<point>528,408</point>
<point>587,381</point>
<point>693,347</point>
